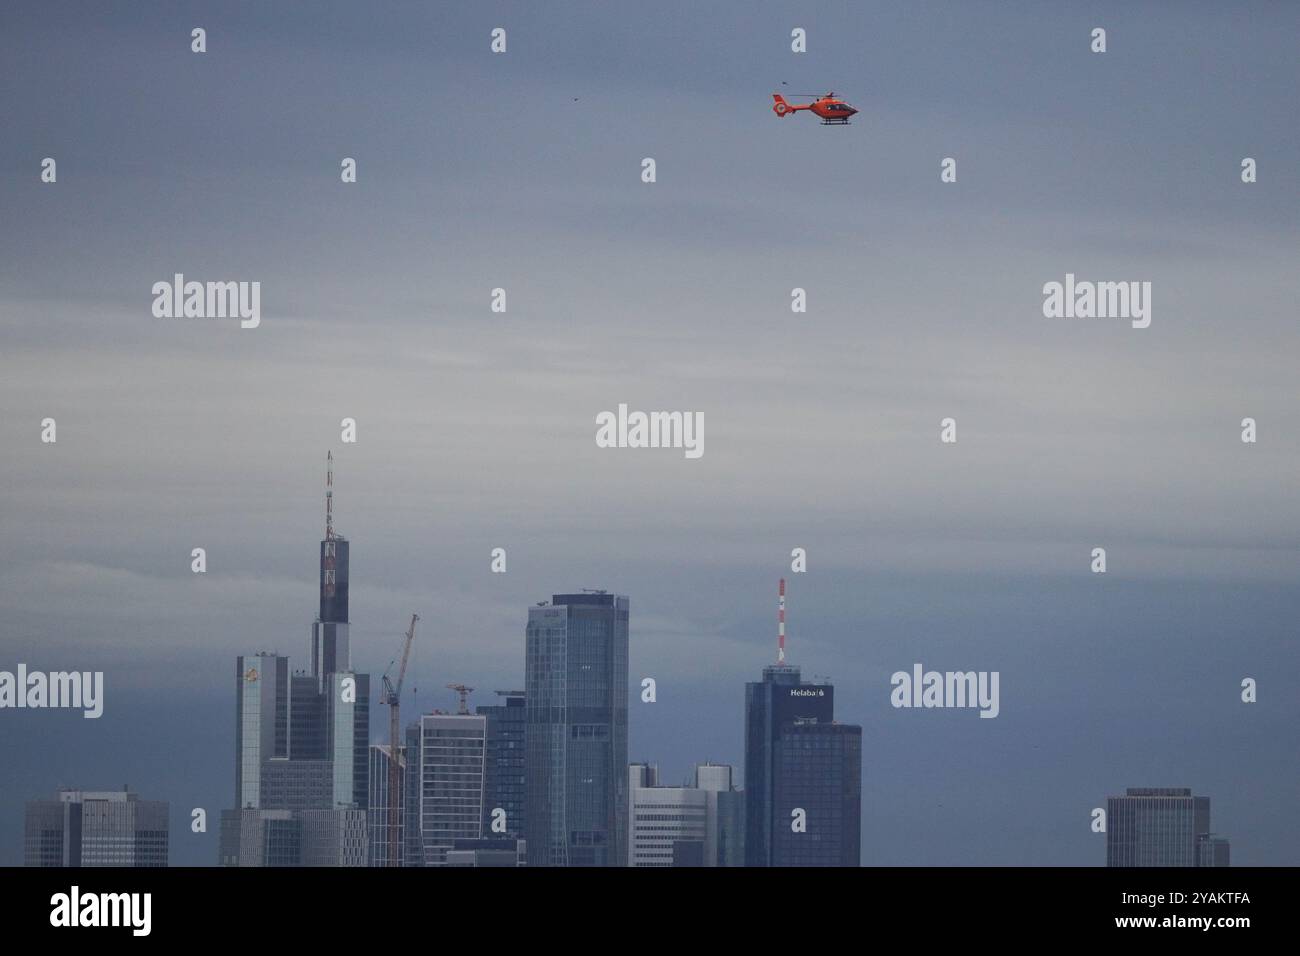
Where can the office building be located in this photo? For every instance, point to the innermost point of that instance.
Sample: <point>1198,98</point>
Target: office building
<point>576,687</point>
<point>253,837</point>
<point>307,721</point>
<point>296,785</point>
<point>96,828</point>
<point>347,736</point>
<point>1212,850</point>
<point>330,649</point>
<point>379,826</point>
<point>660,817</point>
<point>302,750</point>
<point>817,769</point>
<point>772,705</point>
<point>797,758</point>
<point>724,839</point>
<point>731,829</point>
<point>487,852</point>
<point>504,780</point>
<point>412,843</point>
<point>1160,826</point>
<point>450,799</point>
<point>683,826</point>
<point>272,771</point>
<point>261,721</point>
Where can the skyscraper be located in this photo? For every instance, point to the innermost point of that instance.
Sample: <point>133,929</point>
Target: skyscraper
<point>88,828</point>
<point>724,842</point>
<point>698,825</point>
<point>378,814</point>
<point>662,817</point>
<point>330,650</point>
<point>347,736</point>
<point>1159,826</point>
<point>487,852</point>
<point>306,718</point>
<point>576,705</point>
<point>302,740</point>
<point>1212,850</point>
<point>798,758</point>
<point>261,721</point>
<point>262,837</point>
<point>731,829</point>
<point>817,769</point>
<point>412,847</point>
<point>504,779</point>
<point>450,765</point>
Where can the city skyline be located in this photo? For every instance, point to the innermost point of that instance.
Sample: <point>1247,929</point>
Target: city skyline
<point>477,430</point>
<point>298,801</point>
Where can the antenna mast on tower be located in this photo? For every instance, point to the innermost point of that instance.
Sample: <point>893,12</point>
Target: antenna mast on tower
<point>780,624</point>
<point>329,551</point>
<point>329,496</point>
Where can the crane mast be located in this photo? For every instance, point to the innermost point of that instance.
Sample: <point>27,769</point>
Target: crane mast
<point>464,692</point>
<point>393,698</point>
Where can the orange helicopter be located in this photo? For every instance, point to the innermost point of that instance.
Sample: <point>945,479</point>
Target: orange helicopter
<point>833,111</point>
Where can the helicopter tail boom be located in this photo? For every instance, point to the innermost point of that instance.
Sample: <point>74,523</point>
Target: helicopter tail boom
<point>780,107</point>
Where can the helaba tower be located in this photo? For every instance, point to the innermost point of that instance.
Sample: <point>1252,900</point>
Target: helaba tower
<point>801,766</point>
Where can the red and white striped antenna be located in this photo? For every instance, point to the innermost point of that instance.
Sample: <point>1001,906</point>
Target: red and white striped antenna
<point>780,625</point>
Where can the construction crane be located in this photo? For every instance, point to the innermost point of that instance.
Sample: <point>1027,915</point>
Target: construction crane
<point>464,693</point>
<point>393,698</point>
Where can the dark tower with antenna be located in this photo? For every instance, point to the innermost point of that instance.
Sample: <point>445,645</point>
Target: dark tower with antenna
<point>798,756</point>
<point>330,652</point>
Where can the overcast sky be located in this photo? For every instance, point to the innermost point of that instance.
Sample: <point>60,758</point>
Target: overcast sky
<point>476,429</point>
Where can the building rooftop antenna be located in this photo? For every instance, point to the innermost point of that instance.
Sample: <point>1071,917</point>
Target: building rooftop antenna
<point>780,624</point>
<point>329,496</point>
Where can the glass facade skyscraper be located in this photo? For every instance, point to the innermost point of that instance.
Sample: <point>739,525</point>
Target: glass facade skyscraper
<point>1157,826</point>
<point>293,838</point>
<point>302,740</point>
<point>504,780</point>
<point>261,721</point>
<point>108,828</point>
<point>347,736</point>
<point>307,737</point>
<point>450,765</point>
<point>818,769</point>
<point>576,704</point>
<point>330,649</point>
<point>379,804</point>
<point>797,757</point>
<point>731,828</point>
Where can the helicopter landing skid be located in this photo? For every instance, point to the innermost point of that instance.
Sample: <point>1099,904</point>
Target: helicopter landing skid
<point>835,122</point>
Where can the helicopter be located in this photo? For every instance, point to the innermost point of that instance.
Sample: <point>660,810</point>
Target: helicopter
<point>833,111</point>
